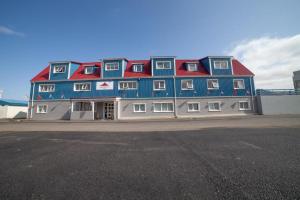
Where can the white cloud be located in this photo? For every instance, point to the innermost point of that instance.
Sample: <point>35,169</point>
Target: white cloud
<point>8,31</point>
<point>273,60</point>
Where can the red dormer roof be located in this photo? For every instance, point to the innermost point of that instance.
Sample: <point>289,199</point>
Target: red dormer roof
<point>129,68</point>
<point>240,69</point>
<point>80,75</point>
<point>42,76</point>
<point>182,71</point>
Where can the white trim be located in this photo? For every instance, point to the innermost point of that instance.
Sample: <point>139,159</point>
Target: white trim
<point>37,108</point>
<point>161,111</point>
<point>187,88</point>
<point>93,109</point>
<point>238,80</point>
<point>193,110</point>
<point>32,98</point>
<point>211,73</point>
<point>212,102</point>
<point>134,67</point>
<point>212,80</point>
<point>61,65</point>
<point>106,69</point>
<point>75,90</point>
<point>164,88</point>
<point>227,64</point>
<point>89,66</point>
<point>119,83</point>
<point>134,104</point>
<point>231,65</point>
<point>163,61</point>
<point>69,71</point>
<point>46,85</point>
<point>189,69</point>
<point>242,109</point>
<point>152,67</point>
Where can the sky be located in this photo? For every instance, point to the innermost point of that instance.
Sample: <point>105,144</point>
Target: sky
<point>263,34</point>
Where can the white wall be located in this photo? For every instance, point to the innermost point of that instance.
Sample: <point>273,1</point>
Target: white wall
<point>3,112</point>
<point>13,112</point>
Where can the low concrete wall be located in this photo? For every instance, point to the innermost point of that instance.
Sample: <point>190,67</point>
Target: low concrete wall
<point>276,105</point>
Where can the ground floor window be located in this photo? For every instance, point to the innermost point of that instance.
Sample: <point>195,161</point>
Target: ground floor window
<point>139,107</point>
<point>214,106</point>
<point>42,108</point>
<point>163,107</point>
<point>193,107</point>
<point>82,106</point>
<point>244,105</point>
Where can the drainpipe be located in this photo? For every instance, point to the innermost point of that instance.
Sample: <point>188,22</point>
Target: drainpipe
<point>252,94</point>
<point>31,110</point>
<point>175,97</point>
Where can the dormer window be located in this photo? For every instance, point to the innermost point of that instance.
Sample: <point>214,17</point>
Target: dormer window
<point>112,66</point>
<point>221,64</point>
<point>163,64</point>
<point>89,70</point>
<point>192,67</point>
<point>138,68</point>
<point>59,68</point>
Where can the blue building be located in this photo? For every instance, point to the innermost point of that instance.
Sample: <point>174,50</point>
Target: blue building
<point>161,87</point>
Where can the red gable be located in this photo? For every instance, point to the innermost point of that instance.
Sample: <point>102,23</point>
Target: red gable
<point>79,73</point>
<point>42,76</point>
<point>240,69</point>
<point>182,71</point>
<point>129,68</point>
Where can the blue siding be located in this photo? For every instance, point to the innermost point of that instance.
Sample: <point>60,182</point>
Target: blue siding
<point>59,76</point>
<point>163,72</point>
<point>205,63</point>
<point>221,71</point>
<point>115,73</point>
<point>74,67</point>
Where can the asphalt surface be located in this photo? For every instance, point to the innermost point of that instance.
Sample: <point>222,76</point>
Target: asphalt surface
<point>221,163</point>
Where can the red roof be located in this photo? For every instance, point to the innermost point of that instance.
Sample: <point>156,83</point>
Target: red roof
<point>42,76</point>
<point>240,69</point>
<point>80,75</point>
<point>147,68</point>
<point>181,68</point>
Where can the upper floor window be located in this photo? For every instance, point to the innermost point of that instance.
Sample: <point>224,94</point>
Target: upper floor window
<point>82,106</point>
<point>89,70</point>
<point>59,68</point>
<point>112,66</point>
<point>192,67</point>
<point>127,85</point>
<point>163,64</point>
<point>159,85</point>
<point>187,84</point>
<point>82,86</point>
<point>138,67</point>
<point>238,84</point>
<point>42,108</point>
<point>221,64</point>
<point>212,84</point>
<point>46,88</point>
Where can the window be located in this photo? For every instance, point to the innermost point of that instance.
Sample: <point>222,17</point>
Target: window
<point>159,85</point>
<point>111,66</point>
<point>163,64</point>
<point>187,84</point>
<point>89,70</point>
<point>221,64</point>
<point>192,67</point>
<point>46,88</point>
<point>212,84</point>
<point>193,107</point>
<point>163,107</point>
<point>238,84</point>
<point>244,105</point>
<point>42,108</point>
<point>82,106</point>
<point>138,67</point>
<point>128,85</point>
<point>59,68</point>
<point>214,106</point>
<point>139,107</point>
<point>82,86</point>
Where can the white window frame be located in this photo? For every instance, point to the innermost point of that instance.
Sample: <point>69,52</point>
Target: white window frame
<point>110,68</point>
<point>195,65</point>
<point>239,80</point>
<point>218,64</point>
<point>57,72</point>
<point>127,88</point>
<point>163,61</point>
<point>38,110</point>
<point>187,88</point>
<point>86,68</point>
<point>137,66</point>
<point>40,87</point>
<point>164,88</point>
<point>249,107</point>
<point>139,110</point>
<point>74,106</point>
<point>198,103</point>
<point>214,110</point>
<point>74,87</point>
<point>214,88</point>
<point>161,110</point>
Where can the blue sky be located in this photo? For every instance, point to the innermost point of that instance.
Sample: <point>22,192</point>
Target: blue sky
<point>34,32</point>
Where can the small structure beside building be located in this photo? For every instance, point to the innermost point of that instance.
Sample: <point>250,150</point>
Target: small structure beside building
<point>296,79</point>
<point>13,109</point>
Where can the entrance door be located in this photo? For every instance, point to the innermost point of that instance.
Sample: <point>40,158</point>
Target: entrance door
<point>108,110</point>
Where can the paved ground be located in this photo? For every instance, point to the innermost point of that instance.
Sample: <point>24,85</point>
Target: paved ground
<point>214,163</point>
